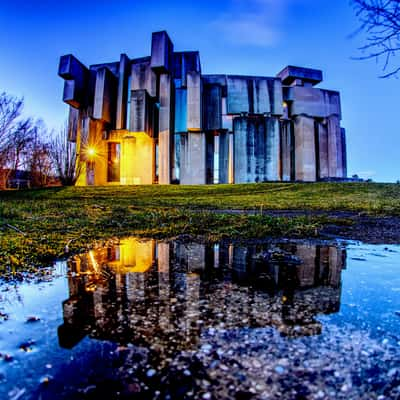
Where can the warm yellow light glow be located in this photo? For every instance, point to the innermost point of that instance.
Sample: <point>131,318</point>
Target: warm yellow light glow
<point>284,104</point>
<point>134,256</point>
<point>91,151</point>
<point>94,262</point>
<point>137,159</point>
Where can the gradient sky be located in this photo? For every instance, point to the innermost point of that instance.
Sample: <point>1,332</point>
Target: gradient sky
<point>252,37</point>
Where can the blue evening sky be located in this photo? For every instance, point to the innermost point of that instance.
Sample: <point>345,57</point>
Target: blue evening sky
<point>253,37</point>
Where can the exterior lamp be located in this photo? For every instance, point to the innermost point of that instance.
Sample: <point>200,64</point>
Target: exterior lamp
<point>91,152</point>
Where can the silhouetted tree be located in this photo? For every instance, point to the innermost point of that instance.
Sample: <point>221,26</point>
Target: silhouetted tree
<point>64,156</point>
<point>380,20</point>
<point>39,160</point>
<point>15,135</point>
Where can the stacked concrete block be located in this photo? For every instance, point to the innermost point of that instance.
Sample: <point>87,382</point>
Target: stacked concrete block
<point>248,95</point>
<point>122,95</point>
<point>335,147</point>
<point>74,123</point>
<point>141,108</point>
<point>287,150</point>
<point>180,110</point>
<point>241,128</point>
<point>259,101</point>
<point>314,102</point>
<point>344,152</point>
<point>276,96</point>
<point>184,62</point>
<point>250,159</point>
<point>104,95</point>
<point>223,158</point>
<point>143,77</point>
<point>193,159</point>
<point>292,75</point>
<point>194,102</point>
<point>76,77</point>
<point>237,95</point>
<point>212,107</point>
<point>273,150</point>
<point>305,157</point>
<point>257,149</point>
<point>166,129</point>
<point>323,151</point>
<point>161,52</point>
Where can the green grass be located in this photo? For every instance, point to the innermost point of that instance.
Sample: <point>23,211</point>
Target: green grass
<point>51,219</point>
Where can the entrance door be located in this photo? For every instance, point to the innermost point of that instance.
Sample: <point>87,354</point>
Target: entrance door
<point>90,173</point>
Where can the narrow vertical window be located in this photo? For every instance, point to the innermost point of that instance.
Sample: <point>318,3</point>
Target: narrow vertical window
<point>128,105</point>
<point>114,162</point>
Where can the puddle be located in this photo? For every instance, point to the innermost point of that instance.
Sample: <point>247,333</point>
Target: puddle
<point>148,319</point>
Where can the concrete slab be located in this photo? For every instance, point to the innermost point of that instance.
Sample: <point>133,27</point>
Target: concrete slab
<point>292,73</point>
<point>334,148</point>
<point>210,147</point>
<point>286,150</point>
<point>305,157</point>
<point>76,77</point>
<point>314,102</point>
<point>323,158</point>
<point>250,149</point>
<point>161,52</point>
<point>140,118</point>
<point>273,150</point>
<point>143,77</point>
<point>193,159</point>
<point>223,157</point>
<point>344,152</point>
<point>105,96</point>
<point>122,95</point>
<point>237,95</point>
<point>276,96</point>
<point>260,99</point>
<point>194,102</point>
<point>166,130</point>
<point>74,122</point>
<point>180,110</point>
<point>212,109</point>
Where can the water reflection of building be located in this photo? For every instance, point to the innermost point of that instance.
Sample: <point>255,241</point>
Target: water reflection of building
<point>166,293</point>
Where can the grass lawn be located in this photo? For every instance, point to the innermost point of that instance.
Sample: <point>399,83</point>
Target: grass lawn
<point>37,225</point>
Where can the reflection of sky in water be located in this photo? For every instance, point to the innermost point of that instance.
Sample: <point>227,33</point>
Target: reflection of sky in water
<point>371,290</point>
<point>179,294</point>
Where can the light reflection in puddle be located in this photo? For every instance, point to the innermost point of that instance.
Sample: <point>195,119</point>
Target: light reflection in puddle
<point>135,290</point>
<point>148,319</point>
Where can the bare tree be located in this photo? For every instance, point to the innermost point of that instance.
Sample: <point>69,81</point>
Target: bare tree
<point>380,20</point>
<point>38,160</point>
<point>15,135</point>
<point>22,137</point>
<point>65,158</point>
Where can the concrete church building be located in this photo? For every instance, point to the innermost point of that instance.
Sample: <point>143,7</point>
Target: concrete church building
<point>158,119</point>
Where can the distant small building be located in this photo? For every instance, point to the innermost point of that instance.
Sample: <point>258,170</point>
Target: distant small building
<point>157,119</point>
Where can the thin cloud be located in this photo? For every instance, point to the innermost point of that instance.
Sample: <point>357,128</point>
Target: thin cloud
<point>252,22</point>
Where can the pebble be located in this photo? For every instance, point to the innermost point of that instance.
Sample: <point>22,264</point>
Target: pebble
<point>279,369</point>
<point>151,372</point>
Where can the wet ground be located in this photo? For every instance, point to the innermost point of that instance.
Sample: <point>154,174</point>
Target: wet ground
<point>147,319</point>
<point>349,225</point>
